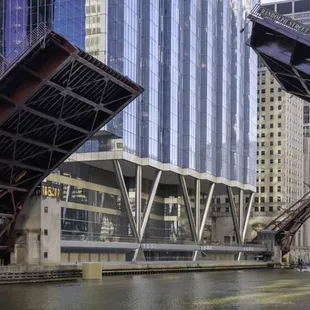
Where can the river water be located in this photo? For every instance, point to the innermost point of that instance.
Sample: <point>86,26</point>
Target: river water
<point>231,290</point>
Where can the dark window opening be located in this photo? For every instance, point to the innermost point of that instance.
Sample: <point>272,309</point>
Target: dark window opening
<point>302,6</point>
<point>285,8</point>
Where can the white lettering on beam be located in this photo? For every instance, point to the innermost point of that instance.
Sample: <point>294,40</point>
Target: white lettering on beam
<point>148,246</point>
<point>248,249</point>
<point>206,248</point>
<point>283,20</point>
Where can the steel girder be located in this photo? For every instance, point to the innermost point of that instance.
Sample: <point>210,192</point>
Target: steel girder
<point>74,246</point>
<point>53,98</point>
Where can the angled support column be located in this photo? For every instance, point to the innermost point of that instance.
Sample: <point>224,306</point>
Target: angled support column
<point>204,217</point>
<point>195,256</point>
<point>197,205</point>
<point>247,217</point>
<point>234,214</point>
<point>188,207</point>
<point>149,204</point>
<point>241,210</point>
<point>138,198</point>
<point>138,255</point>
<point>246,221</point>
<point>205,212</point>
<point>125,197</point>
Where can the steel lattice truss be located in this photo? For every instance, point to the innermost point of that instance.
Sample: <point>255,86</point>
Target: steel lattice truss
<point>289,222</point>
<point>284,46</point>
<point>53,98</point>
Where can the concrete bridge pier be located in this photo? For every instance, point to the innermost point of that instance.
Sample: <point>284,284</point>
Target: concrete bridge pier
<point>38,233</point>
<point>92,271</point>
<point>277,256</point>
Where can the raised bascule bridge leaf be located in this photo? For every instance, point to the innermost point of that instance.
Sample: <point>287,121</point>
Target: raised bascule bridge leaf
<point>53,98</point>
<point>284,45</point>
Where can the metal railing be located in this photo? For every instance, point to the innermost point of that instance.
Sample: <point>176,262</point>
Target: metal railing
<point>98,237</point>
<point>87,236</point>
<point>101,237</point>
<point>23,48</point>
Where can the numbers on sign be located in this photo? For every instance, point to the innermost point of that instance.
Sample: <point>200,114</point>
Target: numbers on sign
<point>206,248</point>
<point>248,249</point>
<point>148,246</point>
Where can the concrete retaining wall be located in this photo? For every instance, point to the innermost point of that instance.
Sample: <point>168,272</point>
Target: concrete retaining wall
<point>167,267</point>
<point>26,274</point>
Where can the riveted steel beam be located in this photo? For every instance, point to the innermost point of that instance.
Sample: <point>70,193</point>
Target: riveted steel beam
<point>32,141</point>
<point>20,165</point>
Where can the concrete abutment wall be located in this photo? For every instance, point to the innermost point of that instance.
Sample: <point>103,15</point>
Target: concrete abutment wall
<point>38,230</point>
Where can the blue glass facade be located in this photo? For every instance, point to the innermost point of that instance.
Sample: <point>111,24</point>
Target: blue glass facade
<point>19,17</point>
<point>198,110</point>
<point>69,20</point>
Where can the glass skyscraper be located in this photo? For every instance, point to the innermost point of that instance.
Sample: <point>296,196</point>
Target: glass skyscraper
<point>198,111</point>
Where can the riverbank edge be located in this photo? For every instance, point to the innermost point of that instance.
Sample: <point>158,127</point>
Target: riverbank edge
<point>39,274</point>
<point>151,269</point>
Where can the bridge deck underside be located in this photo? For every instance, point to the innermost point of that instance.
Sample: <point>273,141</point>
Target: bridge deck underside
<point>285,51</point>
<point>52,100</point>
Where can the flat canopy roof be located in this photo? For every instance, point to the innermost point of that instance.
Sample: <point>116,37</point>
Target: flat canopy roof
<point>284,45</point>
<point>53,98</point>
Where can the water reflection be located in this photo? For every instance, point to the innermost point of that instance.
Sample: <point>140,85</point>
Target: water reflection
<point>241,290</point>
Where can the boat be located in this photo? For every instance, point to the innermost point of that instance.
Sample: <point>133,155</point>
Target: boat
<point>304,268</point>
